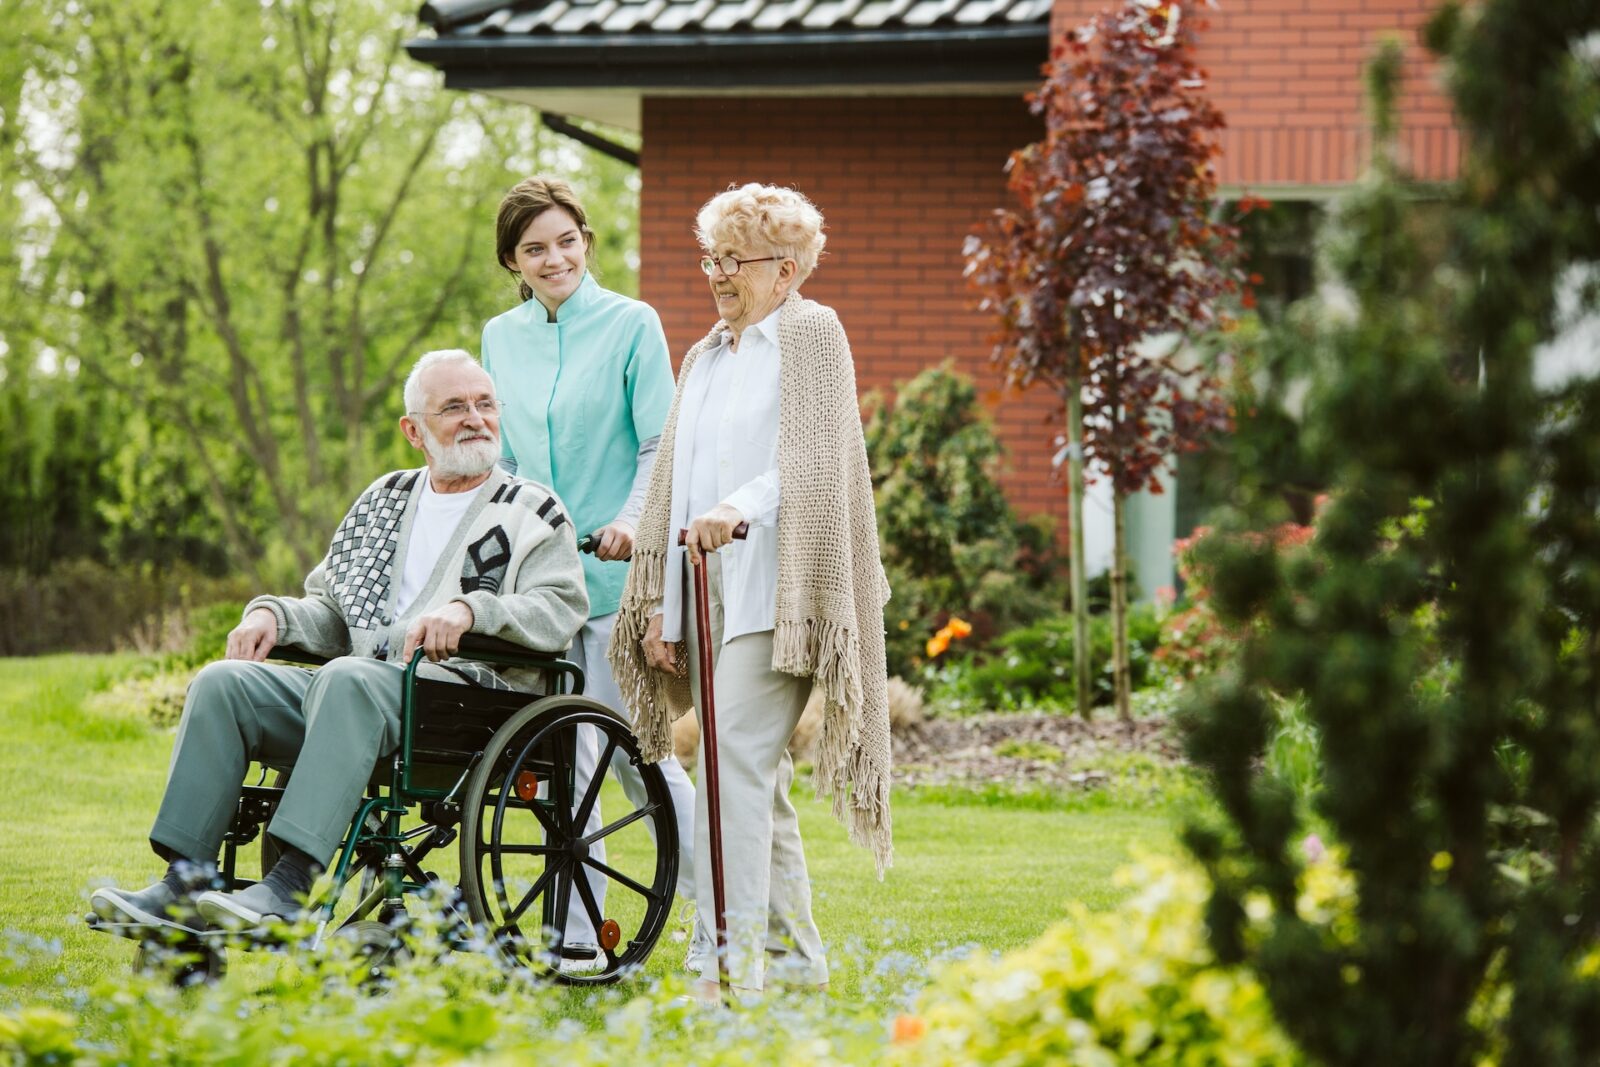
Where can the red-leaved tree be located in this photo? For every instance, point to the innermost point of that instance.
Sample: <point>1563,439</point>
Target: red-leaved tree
<point>1113,256</point>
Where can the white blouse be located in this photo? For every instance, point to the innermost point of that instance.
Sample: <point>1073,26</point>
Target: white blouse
<point>726,451</point>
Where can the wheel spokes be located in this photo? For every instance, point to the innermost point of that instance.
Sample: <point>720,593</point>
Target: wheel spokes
<point>622,879</point>
<point>627,820</point>
<point>540,884</point>
<point>586,896</point>
<point>580,818</point>
<point>561,782</point>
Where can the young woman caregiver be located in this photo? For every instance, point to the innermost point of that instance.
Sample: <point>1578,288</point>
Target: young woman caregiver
<point>584,382</point>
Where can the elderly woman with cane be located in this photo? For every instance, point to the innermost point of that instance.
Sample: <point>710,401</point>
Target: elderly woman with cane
<point>764,432</point>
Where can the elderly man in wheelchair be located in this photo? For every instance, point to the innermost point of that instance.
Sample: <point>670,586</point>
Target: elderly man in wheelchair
<point>443,602</point>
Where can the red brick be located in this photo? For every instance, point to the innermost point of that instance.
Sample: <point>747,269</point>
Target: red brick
<point>903,180</point>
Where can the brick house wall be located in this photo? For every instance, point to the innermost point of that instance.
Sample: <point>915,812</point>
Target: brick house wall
<point>1288,74</point>
<point>900,181</point>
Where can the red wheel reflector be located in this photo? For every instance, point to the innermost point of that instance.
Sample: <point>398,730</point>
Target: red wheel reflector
<point>610,935</point>
<point>527,785</point>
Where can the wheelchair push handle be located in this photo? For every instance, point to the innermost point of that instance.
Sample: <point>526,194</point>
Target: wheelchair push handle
<point>589,543</point>
<point>740,532</point>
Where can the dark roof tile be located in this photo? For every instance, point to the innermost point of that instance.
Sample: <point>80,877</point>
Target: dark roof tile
<point>464,19</point>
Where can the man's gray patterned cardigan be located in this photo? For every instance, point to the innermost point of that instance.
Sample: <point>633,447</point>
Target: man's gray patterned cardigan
<point>513,560</point>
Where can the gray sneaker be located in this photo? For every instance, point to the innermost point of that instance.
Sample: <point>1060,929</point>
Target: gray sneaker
<point>250,908</point>
<point>150,908</point>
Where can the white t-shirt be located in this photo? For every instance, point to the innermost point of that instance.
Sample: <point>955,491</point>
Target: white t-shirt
<point>438,515</point>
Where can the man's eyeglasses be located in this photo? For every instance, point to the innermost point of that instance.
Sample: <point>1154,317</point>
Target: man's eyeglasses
<point>458,410</point>
<point>729,264</point>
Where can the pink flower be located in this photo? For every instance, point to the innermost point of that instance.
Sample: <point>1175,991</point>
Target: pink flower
<point>1312,848</point>
<point>1166,596</point>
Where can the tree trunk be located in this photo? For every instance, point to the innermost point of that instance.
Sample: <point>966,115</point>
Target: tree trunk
<point>1122,675</point>
<point>1079,581</point>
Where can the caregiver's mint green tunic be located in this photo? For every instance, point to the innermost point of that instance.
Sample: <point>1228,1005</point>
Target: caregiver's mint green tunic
<point>578,396</point>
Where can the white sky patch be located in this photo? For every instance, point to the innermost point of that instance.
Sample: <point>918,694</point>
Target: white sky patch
<point>1574,353</point>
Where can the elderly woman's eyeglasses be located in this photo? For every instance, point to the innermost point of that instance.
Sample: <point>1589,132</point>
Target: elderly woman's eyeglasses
<point>458,410</point>
<point>729,264</point>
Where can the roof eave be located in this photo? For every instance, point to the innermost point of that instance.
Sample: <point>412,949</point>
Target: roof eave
<point>1001,54</point>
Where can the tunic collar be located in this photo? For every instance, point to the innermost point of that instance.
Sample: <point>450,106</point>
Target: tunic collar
<point>582,298</point>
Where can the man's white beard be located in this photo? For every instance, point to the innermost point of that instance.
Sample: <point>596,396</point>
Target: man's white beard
<point>461,458</point>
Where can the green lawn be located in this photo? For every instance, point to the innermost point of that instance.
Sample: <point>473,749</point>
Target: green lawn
<point>80,787</point>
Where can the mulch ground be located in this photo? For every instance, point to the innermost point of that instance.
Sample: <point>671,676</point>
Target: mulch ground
<point>984,749</point>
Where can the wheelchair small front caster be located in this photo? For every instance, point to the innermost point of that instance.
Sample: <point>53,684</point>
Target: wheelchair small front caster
<point>185,963</point>
<point>378,946</point>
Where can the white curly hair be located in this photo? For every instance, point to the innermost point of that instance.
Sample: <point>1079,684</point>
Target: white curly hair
<point>756,217</point>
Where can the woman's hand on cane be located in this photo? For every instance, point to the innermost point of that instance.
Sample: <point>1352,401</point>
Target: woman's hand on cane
<point>711,531</point>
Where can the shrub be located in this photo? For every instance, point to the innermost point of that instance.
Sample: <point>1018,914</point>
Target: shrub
<point>951,544</point>
<point>1137,985</point>
<point>1194,641</point>
<point>83,605</point>
<point>208,636</point>
<point>1032,665</point>
<point>157,697</point>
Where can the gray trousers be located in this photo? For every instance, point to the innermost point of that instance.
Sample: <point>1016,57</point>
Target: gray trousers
<point>589,653</point>
<point>332,725</point>
<point>767,889</point>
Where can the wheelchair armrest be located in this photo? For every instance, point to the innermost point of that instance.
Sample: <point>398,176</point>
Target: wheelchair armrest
<point>495,650</point>
<point>296,654</point>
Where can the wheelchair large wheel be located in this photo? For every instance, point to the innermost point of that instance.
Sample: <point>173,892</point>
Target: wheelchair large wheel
<point>523,848</point>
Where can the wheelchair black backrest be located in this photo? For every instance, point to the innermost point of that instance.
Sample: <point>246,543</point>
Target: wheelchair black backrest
<point>455,721</point>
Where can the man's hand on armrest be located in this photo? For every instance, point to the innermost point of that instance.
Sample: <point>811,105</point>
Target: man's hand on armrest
<point>253,638</point>
<point>438,633</point>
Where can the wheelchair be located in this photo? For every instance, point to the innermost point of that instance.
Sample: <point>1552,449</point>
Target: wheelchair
<point>492,772</point>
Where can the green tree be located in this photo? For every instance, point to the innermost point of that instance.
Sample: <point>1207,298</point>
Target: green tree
<point>1442,627</point>
<point>238,224</point>
<point>1113,254</point>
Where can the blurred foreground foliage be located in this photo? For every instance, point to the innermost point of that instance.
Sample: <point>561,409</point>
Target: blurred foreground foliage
<point>1136,985</point>
<point>1439,637</point>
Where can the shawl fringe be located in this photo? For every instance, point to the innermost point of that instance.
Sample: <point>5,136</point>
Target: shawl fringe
<point>826,651</point>
<point>858,785</point>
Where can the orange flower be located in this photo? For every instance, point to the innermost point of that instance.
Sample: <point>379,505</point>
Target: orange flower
<point>909,1028</point>
<point>958,627</point>
<point>937,644</point>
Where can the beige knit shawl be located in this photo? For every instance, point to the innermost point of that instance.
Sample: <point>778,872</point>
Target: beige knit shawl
<point>831,586</point>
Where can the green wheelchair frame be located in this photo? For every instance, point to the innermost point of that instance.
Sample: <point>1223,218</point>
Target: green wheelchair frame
<point>496,771</point>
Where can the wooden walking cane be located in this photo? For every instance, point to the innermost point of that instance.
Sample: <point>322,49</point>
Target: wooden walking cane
<point>708,741</point>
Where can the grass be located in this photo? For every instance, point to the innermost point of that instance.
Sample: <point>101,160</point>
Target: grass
<point>988,869</point>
